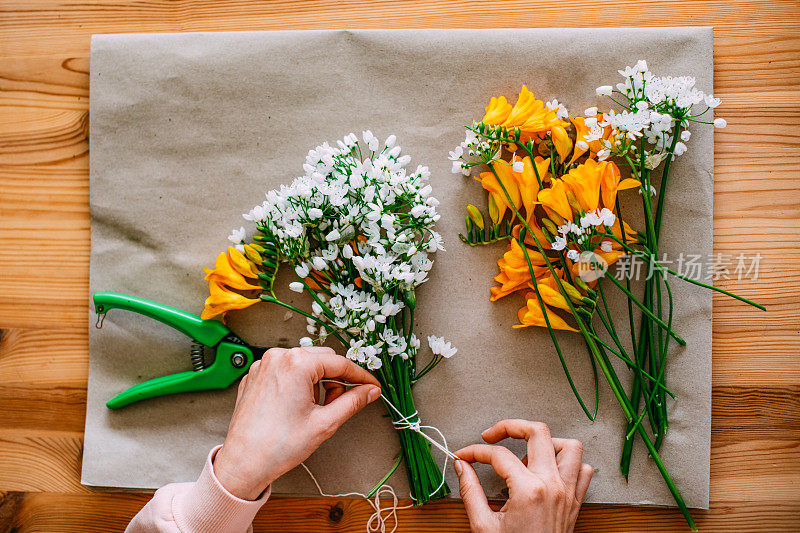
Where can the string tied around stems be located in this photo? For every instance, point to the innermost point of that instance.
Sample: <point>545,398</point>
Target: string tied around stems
<point>380,518</point>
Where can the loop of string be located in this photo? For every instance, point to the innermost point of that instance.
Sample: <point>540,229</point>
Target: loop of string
<point>377,523</point>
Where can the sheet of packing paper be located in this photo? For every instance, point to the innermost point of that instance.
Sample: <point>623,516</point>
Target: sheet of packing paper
<point>189,130</point>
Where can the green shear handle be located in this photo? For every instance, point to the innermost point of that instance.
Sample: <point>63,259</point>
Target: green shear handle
<point>233,355</point>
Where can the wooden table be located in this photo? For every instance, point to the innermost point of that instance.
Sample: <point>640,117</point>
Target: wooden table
<point>44,248</point>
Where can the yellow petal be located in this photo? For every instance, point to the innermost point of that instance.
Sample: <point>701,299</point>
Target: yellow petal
<point>529,184</point>
<point>497,111</point>
<point>531,315</point>
<point>243,266</point>
<point>628,183</point>
<point>221,300</point>
<point>584,182</point>
<point>554,198</point>
<point>225,273</point>
<point>561,141</point>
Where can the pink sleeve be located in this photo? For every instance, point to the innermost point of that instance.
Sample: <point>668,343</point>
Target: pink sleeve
<point>199,507</point>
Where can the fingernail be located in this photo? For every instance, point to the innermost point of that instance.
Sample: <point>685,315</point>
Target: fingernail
<point>458,467</point>
<point>374,394</point>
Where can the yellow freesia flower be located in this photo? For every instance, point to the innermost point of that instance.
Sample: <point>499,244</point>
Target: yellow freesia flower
<point>528,184</point>
<point>221,300</point>
<point>242,264</point>
<point>554,199</point>
<point>514,273</point>
<point>530,115</point>
<point>508,177</point>
<point>497,111</point>
<point>584,182</point>
<point>610,183</point>
<point>227,273</point>
<point>531,314</point>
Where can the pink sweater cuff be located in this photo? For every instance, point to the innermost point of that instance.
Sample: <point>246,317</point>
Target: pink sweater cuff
<point>207,506</point>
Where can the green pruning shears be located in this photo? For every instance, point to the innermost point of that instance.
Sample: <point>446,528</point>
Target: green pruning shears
<point>233,355</point>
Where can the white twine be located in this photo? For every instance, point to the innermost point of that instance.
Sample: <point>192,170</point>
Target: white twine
<point>377,523</point>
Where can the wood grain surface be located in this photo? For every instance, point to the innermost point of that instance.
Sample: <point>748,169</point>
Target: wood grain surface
<point>44,248</point>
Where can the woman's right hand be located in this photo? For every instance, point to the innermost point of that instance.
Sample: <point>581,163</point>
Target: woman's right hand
<point>545,489</point>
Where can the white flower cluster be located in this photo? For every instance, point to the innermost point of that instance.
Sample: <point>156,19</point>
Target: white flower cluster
<point>655,105</point>
<point>359,313</point>
<point>351,190</point>
<point>480,150</point>
<point>559,108</point>
<point>357,212</point>
<point>582,235</point>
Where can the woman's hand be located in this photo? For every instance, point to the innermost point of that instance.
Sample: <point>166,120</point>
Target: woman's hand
<point>277,422</point>
<point>546,488</point>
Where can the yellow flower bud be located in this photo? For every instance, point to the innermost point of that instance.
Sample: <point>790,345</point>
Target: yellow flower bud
<point>550,226</point>
<point>573,202</point>
<point>561,141</point>
<point>494,211</point>
<point>475,215</point>
<point>252,254</point>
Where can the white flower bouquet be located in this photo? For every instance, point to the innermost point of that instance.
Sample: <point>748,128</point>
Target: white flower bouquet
<point>357,231</point>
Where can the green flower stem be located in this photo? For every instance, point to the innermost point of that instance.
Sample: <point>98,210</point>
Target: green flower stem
<point>609,324</point>
<point>605,368</point>
<point>629,362</point>
<point>627,278</point>
<point>652,244</point>
<point>271,299</point>
<point>647,311</point>
<point>661,371</point>
<point>553,335</point>
<point>380,483</point>
<point>664,177</point>
<point>686,278</point>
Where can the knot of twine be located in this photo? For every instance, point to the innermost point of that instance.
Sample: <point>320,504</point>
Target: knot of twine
<point>380,518</point>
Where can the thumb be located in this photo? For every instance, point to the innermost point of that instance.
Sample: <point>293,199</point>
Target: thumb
<point>475,502</point>
<point>349,403</point>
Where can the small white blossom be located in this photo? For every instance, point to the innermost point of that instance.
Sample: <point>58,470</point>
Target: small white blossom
<point>305,341</point>
<point>440,347</point>
<point>710,101</point>
<point>237,236</point>
<point>720,123</point>
<point>370,140</point>
<point>561,111</point>
<point>302,270</point>
<point>296,286</point>
<point>604,90</point>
